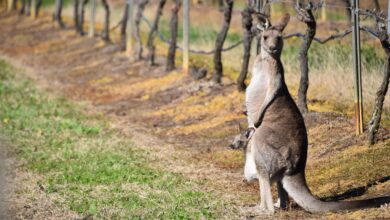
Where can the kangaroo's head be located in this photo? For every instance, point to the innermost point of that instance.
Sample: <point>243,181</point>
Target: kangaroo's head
<point>271,35</point>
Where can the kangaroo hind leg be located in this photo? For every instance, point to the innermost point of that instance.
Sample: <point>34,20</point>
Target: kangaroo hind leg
<point>266,203</point>
<point>283,197</point>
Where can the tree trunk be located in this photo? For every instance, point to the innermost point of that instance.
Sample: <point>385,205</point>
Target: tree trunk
<point>348,11</point>
<point>375,120</point>
<point>81,18</point>
<point>152,33</point>
<point>14,5</point>
<point>23,7</point>
<point>58,13</point>
<point>221,5</point>
<point>308,18</point>
<point>76,5</point>
<point>172,47</point>
<point>123,27</point>
<point>138,47</point>
<point>218,68</point>
<point>106,31</point>
<point>247,42</point>
<point>377,5</point>
<point>37,7</point>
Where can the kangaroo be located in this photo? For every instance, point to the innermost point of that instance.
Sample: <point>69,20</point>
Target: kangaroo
<point>276,143</point>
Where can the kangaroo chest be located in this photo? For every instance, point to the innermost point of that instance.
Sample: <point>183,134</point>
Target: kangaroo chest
<point>257,90</point>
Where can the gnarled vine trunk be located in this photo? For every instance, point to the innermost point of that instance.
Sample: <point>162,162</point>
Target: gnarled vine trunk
<point>37,6</point>
<point>375,120</point>
<point>152,33</point>
<point>247,20</point>
<point>76,5</point>
<point>218,68</point>
<point>138,47</point>
<point>123,27</point>
<point>58,13</point>
<point>81,17</point>
<point>106,30</point>
<point>172,47</point>
<point>308,18</point>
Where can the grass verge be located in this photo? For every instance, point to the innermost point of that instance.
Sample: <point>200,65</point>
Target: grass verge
<point>93,169</point>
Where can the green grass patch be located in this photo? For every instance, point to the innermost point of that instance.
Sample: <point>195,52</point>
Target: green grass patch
<point>94,169</point>
<point>339,52</point>
<point>46,3</point>
<point>198,34</point>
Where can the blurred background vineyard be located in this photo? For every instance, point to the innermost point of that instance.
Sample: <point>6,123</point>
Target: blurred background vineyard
<point>331,70</point>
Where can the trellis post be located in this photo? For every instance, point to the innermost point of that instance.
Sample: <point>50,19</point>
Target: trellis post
<point>91,32</point>
<point>323,12</point>
<point>357,67</point>
<point>33,8</point>
<point>9,5</point>
<point>186,35</point>
<point>130,26</point>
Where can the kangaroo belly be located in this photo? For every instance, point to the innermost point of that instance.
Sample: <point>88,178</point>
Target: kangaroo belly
<point>255,96</point>
<point>282,139</point>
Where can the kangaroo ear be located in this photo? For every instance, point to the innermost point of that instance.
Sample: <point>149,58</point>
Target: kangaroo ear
<point>283,22</point>
<point>263,22</point>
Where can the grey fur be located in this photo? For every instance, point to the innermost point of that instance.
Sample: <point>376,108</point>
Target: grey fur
<point>278,146</point>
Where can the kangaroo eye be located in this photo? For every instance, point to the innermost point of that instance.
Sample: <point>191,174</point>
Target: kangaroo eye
<point>265,38</point>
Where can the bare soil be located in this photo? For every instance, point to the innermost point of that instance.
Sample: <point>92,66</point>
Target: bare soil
<point>186,124</point>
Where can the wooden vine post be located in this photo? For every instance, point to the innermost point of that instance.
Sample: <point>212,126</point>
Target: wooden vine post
<point>33,8</point>
<point>186,35</point>
<point>91,32</point>
<point>9,5</point>
<point>324,15</point>
<point>357,68</point>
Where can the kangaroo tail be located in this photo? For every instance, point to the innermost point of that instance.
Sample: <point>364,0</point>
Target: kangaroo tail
<point>297,188</point>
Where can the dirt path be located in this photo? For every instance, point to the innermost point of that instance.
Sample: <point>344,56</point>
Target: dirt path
<point>185,124</point>
<point>21,196</point>
<point>3,185</point>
